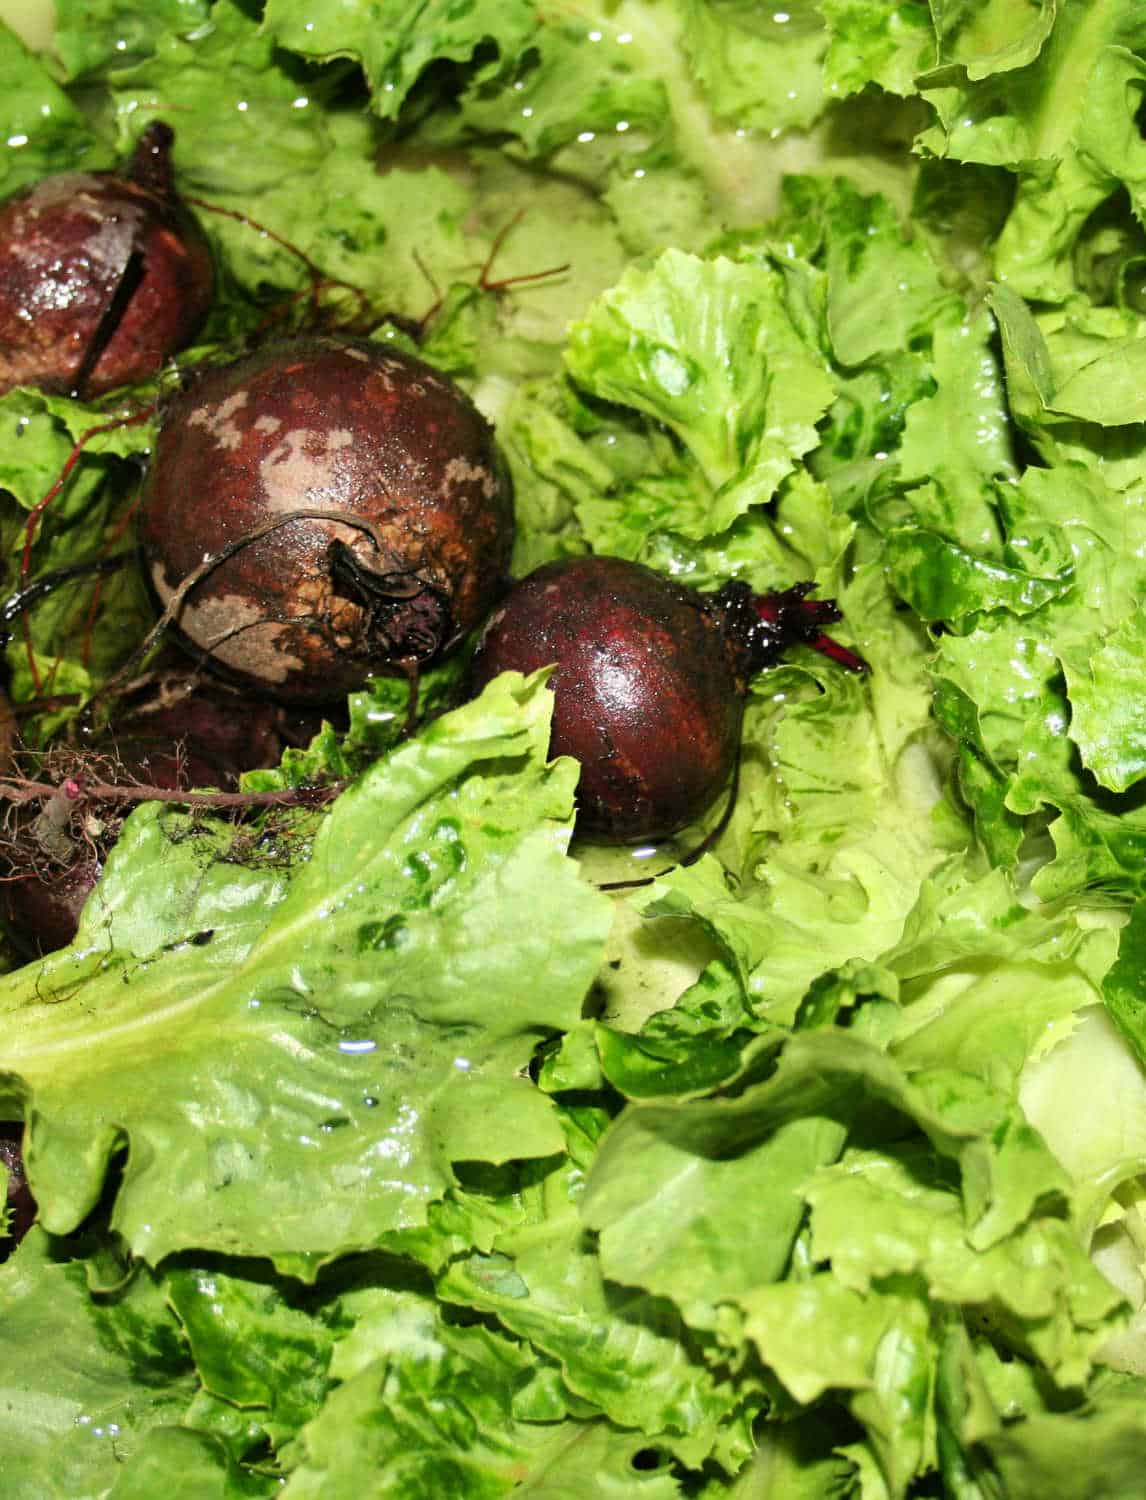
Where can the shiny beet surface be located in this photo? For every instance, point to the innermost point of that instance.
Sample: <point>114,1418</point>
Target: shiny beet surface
<point>74,243</point>
<point>310,609</point>
<point>649,694</point>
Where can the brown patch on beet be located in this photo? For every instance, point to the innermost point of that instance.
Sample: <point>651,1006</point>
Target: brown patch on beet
<point>326,424</point>
<point>647,694</point>
<point>66,244</point>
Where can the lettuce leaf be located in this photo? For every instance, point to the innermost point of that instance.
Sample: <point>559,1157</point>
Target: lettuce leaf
<point>377,1150</point>
<point>386,1050</point>
<point>706,347</point>
<point>86,1378</point>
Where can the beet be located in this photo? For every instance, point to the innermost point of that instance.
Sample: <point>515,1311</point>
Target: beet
<point>41,911</point>
<point>103,276</point>
<point>21,1204</point>
<point>311,608</point>
<point>650,682</point>
<point>202,739</point>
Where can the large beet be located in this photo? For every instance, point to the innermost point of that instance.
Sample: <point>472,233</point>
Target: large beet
<point>310,609</point>
<point>103,276</point>
<point>650,682</point>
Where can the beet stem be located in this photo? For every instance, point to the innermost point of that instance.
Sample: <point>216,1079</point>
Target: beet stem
<point>150,165</point>
<point>19,790</point>
<point>788,616</point>
<point>852,660</point>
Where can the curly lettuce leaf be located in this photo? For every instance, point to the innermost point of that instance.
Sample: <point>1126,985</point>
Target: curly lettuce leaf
<point>884,43</point>
<point>312,1097</point>
<point>92,36</point>
<point>42,129</point>
<point>885,289</point>
<point>758,68</point>
<point>394,43</point>
<point>1038,104</point>
<point>205,1468</point>
<point>708,348</point>
<point>85,1377</point>
<point>423,1403</point>
<point>622,1351</point>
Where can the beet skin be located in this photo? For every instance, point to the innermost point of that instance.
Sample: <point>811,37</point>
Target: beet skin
<point>649,693</point>
<point>20,1203</point>
<point>307,611</point>
<point>66,254</point>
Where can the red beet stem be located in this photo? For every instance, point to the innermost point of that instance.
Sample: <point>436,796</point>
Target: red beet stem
<point>761,627</point>
<point>810,613</point>
<point>826,646</point>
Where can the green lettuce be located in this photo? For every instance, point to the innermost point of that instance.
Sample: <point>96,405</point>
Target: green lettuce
<point>423,1061</point>
<point>378,1150</point>
<point>705,347</point>
<point>88,1374</point>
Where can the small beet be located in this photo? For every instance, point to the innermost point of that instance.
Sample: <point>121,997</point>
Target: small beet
<point>201,739</point>
<point>103,275</point>
<point>650,682</point>
<point>308,610</point>
<point>20,1203</point>
<point>41,910</point>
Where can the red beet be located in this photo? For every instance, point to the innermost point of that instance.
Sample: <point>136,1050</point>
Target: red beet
<point>21,1205</point>
<point>42,910</point>
<point>201,739</point>
<point>103,276</point>
<point>308,610</point>
<point>650,682</point>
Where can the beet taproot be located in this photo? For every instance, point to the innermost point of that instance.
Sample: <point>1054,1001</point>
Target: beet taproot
<point>103,275</point>
<point>421,515</point>
<point>650,682</point>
